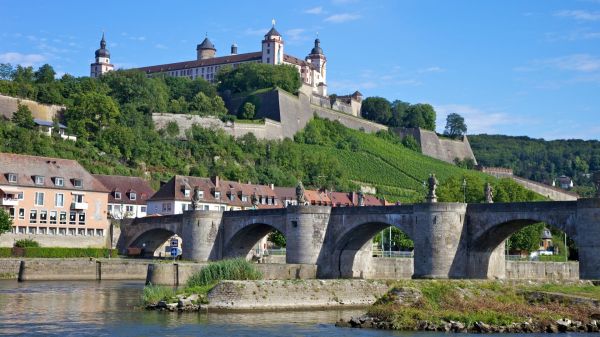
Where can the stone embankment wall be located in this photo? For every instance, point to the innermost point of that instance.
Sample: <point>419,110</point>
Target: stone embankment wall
<point>8,105</point>
<point>46,240</point>
<point>178,273</point>
<point>551,271</point>
<point>402,268</point>
<point>289,294</point>
<point>73,269</point>
<point>550,192</point>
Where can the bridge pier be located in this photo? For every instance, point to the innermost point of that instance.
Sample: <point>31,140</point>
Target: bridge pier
<point>199,234</point>
<point>305,233</point>
<point>440,241</point>
<point>587,227</point>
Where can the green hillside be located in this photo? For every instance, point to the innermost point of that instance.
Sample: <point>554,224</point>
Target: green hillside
<point>111,116</point>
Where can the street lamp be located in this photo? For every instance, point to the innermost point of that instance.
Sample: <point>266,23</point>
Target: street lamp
<point>464,186</point>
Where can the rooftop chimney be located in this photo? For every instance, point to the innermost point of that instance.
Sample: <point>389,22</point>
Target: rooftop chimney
<point>234,49</point>
<point>216,181</point>
<point>272,186</point>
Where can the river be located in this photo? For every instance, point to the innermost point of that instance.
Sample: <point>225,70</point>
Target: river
<point>108,308</point>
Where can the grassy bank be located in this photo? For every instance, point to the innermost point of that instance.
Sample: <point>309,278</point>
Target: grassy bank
<point>473,302</point>
<point>203,281</point>
<point>57,252</point>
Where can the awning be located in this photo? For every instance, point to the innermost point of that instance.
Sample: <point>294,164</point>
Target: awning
<point>10,190</point>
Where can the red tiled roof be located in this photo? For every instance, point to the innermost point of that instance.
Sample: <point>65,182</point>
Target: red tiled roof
<point>294,60</point>
<point>27,167</point>
<point>126,185</point>
<point>202,63</point>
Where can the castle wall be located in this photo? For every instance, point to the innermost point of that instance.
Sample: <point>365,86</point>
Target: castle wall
<point>8,105</point>
<point>440,148</point>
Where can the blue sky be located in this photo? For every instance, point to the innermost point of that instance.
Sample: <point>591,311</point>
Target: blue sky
<point>511,67</point>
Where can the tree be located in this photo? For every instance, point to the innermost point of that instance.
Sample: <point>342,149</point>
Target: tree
<point>253,76</point>
<point>22,117</point>
<point>248,111</point>
<point>5,221</point>
<point>420,116</point>
<point>455,126</point>
<point>44,74</point>
<point>6,71</point>
<point>377,109</point>
<point>527,239</point>
<point>277,238</point>
<point>90,113</point>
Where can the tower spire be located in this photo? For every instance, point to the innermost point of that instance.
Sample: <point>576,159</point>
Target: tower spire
<point>273,22</point>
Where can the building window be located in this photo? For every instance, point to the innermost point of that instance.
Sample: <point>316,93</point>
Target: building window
<point>268,60</point>
<point>129,209</point>
<point>32,230</point>
<point>217,195</point>
<point>11,212</point>
<point>201,194</point>
<point>33,216</point>
<point>109,208</point>
<point>72,217</point>
<point>43,216</point>
<point>60,200</point>
<point>244,198</point>
<point>222,208</point>
<point>20,196</point>
<point>143,209</point>
<point>132,196</point>
<point>90,232</point>
<point>82,218</point>
<point>117,195</point>
<point>39,198</point>
<point>81,231</point>
<point>206,208</point>
<point>53,217</point>
<point>58,181</point>
<point>39,180</point>
<point>78,198</point>
<point>166,207</point>
<point>186,193</point>
<point>52,231</point>
<point>268,51</point>
<point>72,231</point>
<point>62,231</point>
<point>42,230</point>
<point>78,183</point>
<point>63,218</point>
<point>100,232</point>
<point>12,177</point>
<point>21,213</point>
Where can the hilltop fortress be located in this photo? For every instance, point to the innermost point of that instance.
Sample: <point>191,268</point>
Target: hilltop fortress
<point>283,114</point>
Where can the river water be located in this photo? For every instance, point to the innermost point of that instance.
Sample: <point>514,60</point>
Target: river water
<point>108,308</point>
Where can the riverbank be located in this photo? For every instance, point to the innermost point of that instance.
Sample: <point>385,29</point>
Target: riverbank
<point>484,307</point>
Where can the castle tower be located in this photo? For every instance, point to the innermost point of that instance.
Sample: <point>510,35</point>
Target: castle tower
<point>234,49</point>
<point>102,64</point>
<point>319,61</point>
<point>206,50</point>
<point>272,47</point>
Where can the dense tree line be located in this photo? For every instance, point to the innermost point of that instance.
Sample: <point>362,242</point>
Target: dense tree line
<point>398,113</point>
<point>540,160</point>
<point>249,77</point>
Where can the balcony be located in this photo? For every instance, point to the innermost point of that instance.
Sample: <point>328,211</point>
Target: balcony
<point>79,205</point>
<point>9,202</point>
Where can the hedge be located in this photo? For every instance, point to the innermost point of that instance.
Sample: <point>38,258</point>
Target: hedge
<point>57,252</point>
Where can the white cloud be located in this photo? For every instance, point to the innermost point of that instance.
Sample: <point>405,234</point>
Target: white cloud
<point>22,59</point>
<point>477,120</point>
<point>580,15</point>
<point>315,10</point>
<point>434,69</point>
<point>295,34</point>
<point>576,62</point>
<point>255,31</point>
<point>342,17</point>
<point>160,46</point>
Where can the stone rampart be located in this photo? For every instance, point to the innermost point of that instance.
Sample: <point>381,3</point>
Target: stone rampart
<point>386,268</point>
<point>289,294</point>
<point>8,105</point>
<point>440,148</point>
<point>9,268</point>
<point>552,193</point>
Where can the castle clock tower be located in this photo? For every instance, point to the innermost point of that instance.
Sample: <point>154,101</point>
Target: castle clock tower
<point>102,64</point>
<point>272,47</point>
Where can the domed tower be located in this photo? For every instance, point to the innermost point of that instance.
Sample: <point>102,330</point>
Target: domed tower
<point>272,47</point>
<point>206,50</point>
<point>319,61</point>
<point>102,64</point>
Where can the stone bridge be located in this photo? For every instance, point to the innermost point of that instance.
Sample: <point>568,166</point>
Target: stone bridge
<point>452,240</point>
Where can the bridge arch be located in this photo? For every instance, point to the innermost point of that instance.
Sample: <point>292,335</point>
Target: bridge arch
<point>490,230</point>
<point>152,239</point>
<point>241,240</point>
<point>351,252</point>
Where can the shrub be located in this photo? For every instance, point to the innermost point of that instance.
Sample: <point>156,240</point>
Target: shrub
<point>153,293</point>
<point>234,269</point>
<point>5,252</point>
<point>26,243</point>
<point>60,252</point>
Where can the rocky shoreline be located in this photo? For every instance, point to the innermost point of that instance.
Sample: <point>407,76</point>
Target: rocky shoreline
<point>562,325</point>
<point>190,303</point>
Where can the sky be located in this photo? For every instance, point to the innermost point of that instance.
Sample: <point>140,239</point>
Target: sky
<point>510,67</point>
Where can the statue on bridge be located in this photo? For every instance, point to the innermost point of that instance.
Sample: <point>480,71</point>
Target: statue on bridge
<point>255,200</point>
<point>361,198</point>
<point>196,198</point>
<point>489,193</point>
<point>300,198</point>
<point>432,182</point>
